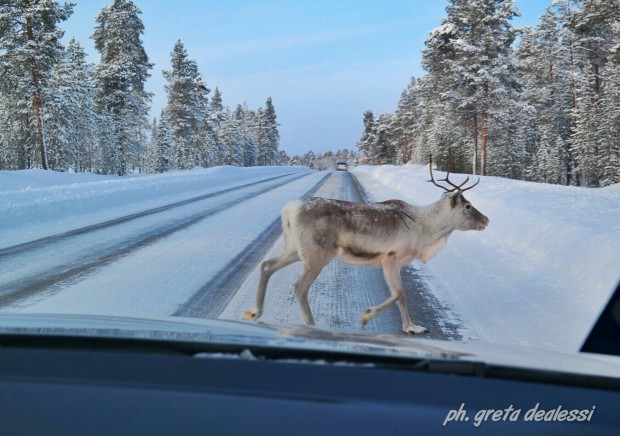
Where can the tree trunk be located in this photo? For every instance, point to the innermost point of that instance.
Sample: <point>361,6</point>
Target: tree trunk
<point>40,136</point>
<point>475,144</point>
<point>484,140</point>
<point>35,100</point>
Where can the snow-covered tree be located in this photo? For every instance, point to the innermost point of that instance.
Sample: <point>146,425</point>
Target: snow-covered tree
<point>366,143</point>
<point>584,144</point>
<point>120,77</point>
<point>549,68</point>
<point>547,162</point>
<point>407,122</point>
<point>186,106</point>
<point>609,127</point>
<point>17,149</point>
<point>216,149</point>
<point>268,137</point>
<point>262,144</point>
<point>164,146</point>
<point>470,55</point>
<point>247,122</point>
<point>446,136</point>
<point>387,133</point>
<point>231,136</point>
<point>30,42</point>
<point>595,26</point>
<point>71,120</point>
<point>149,164</point>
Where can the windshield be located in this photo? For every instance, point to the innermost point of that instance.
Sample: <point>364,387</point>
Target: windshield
<point>153,166</point>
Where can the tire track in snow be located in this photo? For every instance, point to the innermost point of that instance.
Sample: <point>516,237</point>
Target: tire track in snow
<point>69,271</point>
<point>46,241</point>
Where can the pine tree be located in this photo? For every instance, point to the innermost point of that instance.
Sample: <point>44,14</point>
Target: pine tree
<point>470,55</point>
<point>267,135</point>
<point>186,106</point>
<point>30,41</point>
<point>562,63</point>
<point>71,118</point>
<point>367,141</point>
<point>262,139</point>
<point>609,127</point>
<point>106,148</point>
<point>246,120</point>
<point>407,120</point>
<point>386,132</point>
<point>216,148</point>
<point>273,136</point>
<point>164,154</point>
<point>7,144</point>
<point>149,165</point>
<point>584,144</point>
<point>120,78</point>
<point>15,134</point>
<point>230,135</point>
<point>595,26</point>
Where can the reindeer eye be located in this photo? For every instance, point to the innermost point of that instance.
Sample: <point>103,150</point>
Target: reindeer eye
<point>468,206</point>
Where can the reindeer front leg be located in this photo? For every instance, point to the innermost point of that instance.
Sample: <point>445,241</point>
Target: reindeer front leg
<point>312,267</point>
<point>391,272</point>
<point>268,268</point>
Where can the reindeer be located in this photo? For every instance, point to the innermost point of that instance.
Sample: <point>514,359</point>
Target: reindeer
<point>388,234</point>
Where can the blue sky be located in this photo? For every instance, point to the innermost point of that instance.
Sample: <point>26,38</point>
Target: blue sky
<point>323,62</point>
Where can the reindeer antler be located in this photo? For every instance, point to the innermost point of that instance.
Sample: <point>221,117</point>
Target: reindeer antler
<point>446,179</point>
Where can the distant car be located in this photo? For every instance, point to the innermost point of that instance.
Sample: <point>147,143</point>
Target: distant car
<point>341,166</point>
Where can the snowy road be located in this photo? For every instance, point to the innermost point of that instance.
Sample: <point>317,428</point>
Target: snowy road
<point>146,263</point>
<point>49,262</point>
<point>199,257</point>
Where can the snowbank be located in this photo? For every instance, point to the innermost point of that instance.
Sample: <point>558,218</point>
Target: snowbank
<point>539,274</point>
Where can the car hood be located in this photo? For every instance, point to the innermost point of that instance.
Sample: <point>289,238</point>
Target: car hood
<point>368,348</point>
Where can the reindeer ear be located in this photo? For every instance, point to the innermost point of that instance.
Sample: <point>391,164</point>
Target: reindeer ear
<point>454,198</point>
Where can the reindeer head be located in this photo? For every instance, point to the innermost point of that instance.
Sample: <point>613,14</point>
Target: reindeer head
<point>464,215</point>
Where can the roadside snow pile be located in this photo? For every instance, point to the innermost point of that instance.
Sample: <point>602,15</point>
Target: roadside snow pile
<point>34,203</point>
<point>542,271</point>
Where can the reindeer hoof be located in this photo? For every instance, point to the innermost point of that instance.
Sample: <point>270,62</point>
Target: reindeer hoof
<point>251,314</point>
<point>416,330</point>
<point>367,315</point>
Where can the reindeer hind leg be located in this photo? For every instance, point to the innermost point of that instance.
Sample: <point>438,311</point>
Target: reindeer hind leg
<point>391,273</point>
<point>394,281</point>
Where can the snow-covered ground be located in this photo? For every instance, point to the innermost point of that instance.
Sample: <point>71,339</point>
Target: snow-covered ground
<point>538,275</point>
<point>543,269</point>
<point>156,278</point>
<point>35,203</point>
